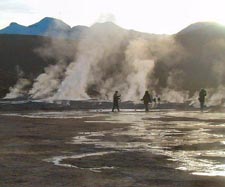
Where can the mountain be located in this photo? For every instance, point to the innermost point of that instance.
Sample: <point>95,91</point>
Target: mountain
<point>196,35</point>
<point>209,28</point>
<point>198,60</point>
<point>14,28</point>
<point>22,56</point>
<point>195,57</point>
<point>46,27</point>
<point>49,27</point>
<point>32,54</point>
<point>77,31</point>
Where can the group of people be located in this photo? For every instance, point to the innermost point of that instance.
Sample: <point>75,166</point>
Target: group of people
<point>147,98</point>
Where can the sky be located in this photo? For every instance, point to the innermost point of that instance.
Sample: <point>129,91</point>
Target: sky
<point>151,16</point>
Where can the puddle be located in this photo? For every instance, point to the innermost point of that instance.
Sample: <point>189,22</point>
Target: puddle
<point>190,144</point>
<point>57,160</point>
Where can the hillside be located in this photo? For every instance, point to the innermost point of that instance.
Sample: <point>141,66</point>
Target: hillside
<point>197,35</point>
<point>99,59</point>
<point>199,60</point>
<point>50,27</point>
<point>19,57</point>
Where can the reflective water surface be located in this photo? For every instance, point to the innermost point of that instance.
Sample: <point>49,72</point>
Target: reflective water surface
<point>194,141</point>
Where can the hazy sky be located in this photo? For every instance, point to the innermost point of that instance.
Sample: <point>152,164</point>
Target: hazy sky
<point>153,16</point>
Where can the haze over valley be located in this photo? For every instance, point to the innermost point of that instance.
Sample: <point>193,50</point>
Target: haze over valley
<point>51,60</point>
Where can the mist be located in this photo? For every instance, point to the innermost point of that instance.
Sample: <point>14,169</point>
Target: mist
<point>21,87</point>
<point>107,58</point>
<point>47,83</point>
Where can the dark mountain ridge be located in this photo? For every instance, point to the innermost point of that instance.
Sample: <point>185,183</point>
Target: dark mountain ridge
<point>21,53</point>
<point>197,63</point>
<point>50,27</point>
<point>200,60</point>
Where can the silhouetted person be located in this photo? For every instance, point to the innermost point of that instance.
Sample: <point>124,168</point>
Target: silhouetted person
<point>201,98</point>
<point>159,100</point>
<point>146,99</point>
<point>116,99</point>
<point>155,102</point>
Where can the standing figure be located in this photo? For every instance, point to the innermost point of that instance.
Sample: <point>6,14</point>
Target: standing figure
<point>159,100</point>
<point>155,102</point>
<point>116,99</point>
<point>146,99</point>
<point>201,98</point>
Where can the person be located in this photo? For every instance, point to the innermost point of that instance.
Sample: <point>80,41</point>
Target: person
<point>159,100</point>
<point>146,99</point>
<point>155,102</point>
<point>201,98</point>
<point>116,99</point>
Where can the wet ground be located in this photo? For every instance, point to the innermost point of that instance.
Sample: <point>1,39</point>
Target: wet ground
<point>100,148</point>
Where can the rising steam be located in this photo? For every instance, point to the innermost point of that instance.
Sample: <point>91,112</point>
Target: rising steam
<point>19,90</point>
<point>47,83</point>
<point>108,58</point>
<point>21,87</point>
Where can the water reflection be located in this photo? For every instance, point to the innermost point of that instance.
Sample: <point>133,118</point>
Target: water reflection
<point>195,142</point>
<point>191,144</point>
<point>58,160</point>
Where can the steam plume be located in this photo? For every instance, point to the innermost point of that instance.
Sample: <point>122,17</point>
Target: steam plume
<point>48,82</point>
<point>109,58</point>
<point>21,87</point>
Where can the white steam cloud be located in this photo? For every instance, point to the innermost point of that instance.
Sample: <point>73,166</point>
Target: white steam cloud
<point>108,58</point>
<point>47,83</point>
<point>97,45</point>
<point>137,55</point>
<point>19,89</point>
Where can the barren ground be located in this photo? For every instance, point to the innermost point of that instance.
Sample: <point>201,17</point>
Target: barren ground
<point>124,149</point>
